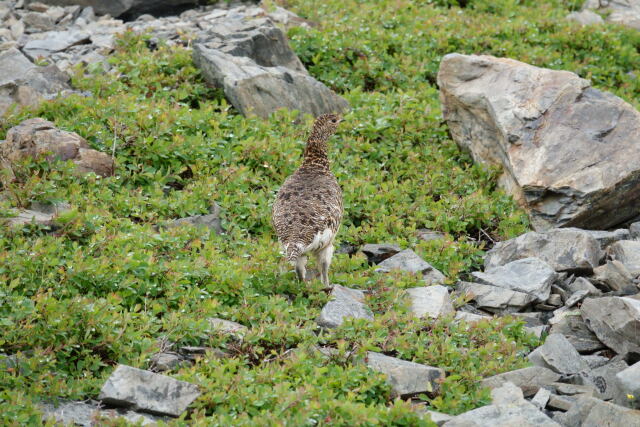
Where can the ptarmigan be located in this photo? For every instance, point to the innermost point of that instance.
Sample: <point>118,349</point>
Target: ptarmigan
<point>308,209</point>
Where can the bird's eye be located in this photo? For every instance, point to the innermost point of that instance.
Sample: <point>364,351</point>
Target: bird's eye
<point>334,121</point>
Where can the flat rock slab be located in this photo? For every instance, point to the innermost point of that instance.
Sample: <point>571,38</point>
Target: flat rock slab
<point>55,41</point>
<point>528,379</point>
<point>346,303</point>
<point>520,117</point>
<point>211,220</point>
<point>494,299</point>
<point>628,253</point>
<point>471,317</point>
<point>603,379</point>
<point>570,250</point>
<point>509,415</point>
<point>606,238</point>
<point>406,378</point>
<point>573,327</point>
<point>559,355</point>
<point>410,262</point>
<point>529,275</point>
<point>615,321</point>
<point>431,301</point>
<point>146,391</point>
<point>616,277</point>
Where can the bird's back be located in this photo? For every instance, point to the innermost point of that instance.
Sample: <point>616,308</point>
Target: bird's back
<point>307,211</point>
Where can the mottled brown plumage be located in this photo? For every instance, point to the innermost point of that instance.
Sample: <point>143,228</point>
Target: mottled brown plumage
<point>308,209</point>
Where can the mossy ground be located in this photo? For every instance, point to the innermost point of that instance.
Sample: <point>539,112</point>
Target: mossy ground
<point>106,286</point>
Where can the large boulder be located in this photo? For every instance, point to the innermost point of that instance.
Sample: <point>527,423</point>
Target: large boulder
<point>406,378</point>
<point>38,137</point>
<point>259,73</point>
<point>568,150</point>
<point>569,250</point>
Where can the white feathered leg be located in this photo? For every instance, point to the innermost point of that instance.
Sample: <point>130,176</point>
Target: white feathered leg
<point>301,267</point>
<point>324,261</point>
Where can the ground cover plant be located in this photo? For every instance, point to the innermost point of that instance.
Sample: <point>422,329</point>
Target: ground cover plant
<point>106,285</point>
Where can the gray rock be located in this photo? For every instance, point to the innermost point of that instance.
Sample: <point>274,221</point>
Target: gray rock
<point>541,398</point>
<point>227,327</point>
<point>614,276</point>
<point>554,300</point>
<point>615,321</point>
<point>533,318</point>
<point>628,253</point>
<point>376,253</point>
<point>595,360</point>
<point>26,216</point>
<point>35,22</point>
<point>623,12</point>
<point>438,417</point>
<point>569,250</point>
<point>522,414</point>
<point>559,355</point>
<point>606,238</point>
<point>90,413</point>
<point>634,230</point>
<point>37,137</point>
<point>55,41</point>
<point>146,391</point>
<point>603,379</point>
<point>520,117</point>
<point>563,403</point>
<point>529,275</point>
<point>528,379</point>
<point>494,299</point>
<point>574,328</point>
<point>410,262</point>
<point>211,221</point>
<point>572,389</point>
<point>406,378</point>
<point>165,361</point>
<point>537,331</point>
<point>125,7</point>
<point>507,394</point>
<point>577,297</point>
<point>628,387</point>
<point>471,317</point>
<point>585,17</point>
<point>346,303</point>
<point>581,284</point>
<point>592,412</point>
<point>432,301</point>
<point>259,73</point>
<point>429,235</point>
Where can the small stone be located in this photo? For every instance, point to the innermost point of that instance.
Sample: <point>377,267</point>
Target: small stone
<point>572,389</point>
<point>554,300</point>
<point>507,394</point>
<point>537,331</point>
<point>494,299</point>
<point>55,41</point>
<point>410,262</point>
<point>606,238</point>
<point>541,398</point>
<point>90,413</point>
<point>577,297</point>
<point>564,403</point>
<point>227,327</point>
<point>528,379</point>
<point>530,275</point>
<point>36,22</point>
<point>580,284</point>
<point>471,317</point>
<point>432,301</point>
<point>585,17</point>
<point>376,253</point>
<point>595,360</point>
<point>559,355</point>
<point>429,235</point>
<point>634,230</point>
<point>406,378</point>
<point>438,417</point>
<point>211,221</point>
<point>161,362</point>
<point>143,390</point>
<point>522,415</point>
<point>346,303</point>
<point>37,7</point>
<point>533,318</point>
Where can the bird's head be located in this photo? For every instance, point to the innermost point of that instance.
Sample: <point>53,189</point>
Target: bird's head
<point>326,125</point>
